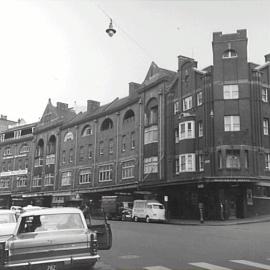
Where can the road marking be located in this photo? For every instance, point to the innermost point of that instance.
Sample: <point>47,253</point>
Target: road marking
<point>249,263</point>
<point>209,266</point>
<point>129,257</point>
<point>158,267</point>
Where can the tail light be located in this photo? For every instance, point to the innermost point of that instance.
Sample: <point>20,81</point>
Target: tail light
<point>93,244</point>
<point>3,253</point>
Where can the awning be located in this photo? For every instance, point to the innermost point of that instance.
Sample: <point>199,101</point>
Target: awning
<point>263,184</point>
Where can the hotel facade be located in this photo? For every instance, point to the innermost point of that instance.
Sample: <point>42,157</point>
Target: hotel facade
<point>187,138</point>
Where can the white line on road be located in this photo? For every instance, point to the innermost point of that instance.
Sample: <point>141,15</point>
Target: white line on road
<point>209,266</point>
<point>129,257</point>
<point>158,267</point>
<point>249,263</point>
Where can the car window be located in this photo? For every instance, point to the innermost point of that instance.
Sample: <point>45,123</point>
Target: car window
<point>51,222</point>
<point>7,218</point>
<point>149,206</point>
<point>158,206</point>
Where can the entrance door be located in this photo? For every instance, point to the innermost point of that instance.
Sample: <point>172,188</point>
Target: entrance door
<point>232,208</point>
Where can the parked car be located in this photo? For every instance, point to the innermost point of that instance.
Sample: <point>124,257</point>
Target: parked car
<point>149,210</point>
<point>54,238</point>
<point>31,208</point>
<point>7,222</point>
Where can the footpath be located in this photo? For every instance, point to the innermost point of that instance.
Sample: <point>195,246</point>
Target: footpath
<point>257,219</point>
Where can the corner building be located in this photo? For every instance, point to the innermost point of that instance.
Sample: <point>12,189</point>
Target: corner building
<point>188,138</point>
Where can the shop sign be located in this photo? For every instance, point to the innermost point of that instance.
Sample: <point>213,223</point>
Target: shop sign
<point>249,197</point>
<point>166,198</point>
<point>58,199</point>
<point>10,173</point>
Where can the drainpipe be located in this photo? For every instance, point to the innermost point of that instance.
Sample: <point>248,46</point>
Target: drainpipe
<point>140,140</point>
<point>117,146</point>
<point>95,153</point>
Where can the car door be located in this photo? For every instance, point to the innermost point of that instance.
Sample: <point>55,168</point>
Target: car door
<point>104,235</point>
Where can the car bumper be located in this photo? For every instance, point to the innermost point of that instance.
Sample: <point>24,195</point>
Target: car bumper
<point>60,263</point>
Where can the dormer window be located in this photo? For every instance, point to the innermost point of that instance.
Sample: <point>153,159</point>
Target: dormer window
<point>229,54</point>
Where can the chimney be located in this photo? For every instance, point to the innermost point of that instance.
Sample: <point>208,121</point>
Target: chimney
<point>267,57</point>
<point>62,106</point>
<point>133,87</point>
<point>92,105</point>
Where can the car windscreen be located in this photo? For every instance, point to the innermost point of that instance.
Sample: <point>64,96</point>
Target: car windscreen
<point>7,218</point>
<point>51,222</point>
<point>158,206</point>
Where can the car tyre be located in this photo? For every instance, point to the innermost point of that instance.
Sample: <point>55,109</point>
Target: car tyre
<point>147,219</point>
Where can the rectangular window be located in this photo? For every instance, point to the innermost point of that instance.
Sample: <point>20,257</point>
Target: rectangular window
<point>187,130</point>
<point>230,91</point>
<point>187,103</point>
<point>21,181</point>
<point>246,160</point>
<point>81,154</point>
<point>101,148</point>
<point>177,168</point>
<point>17,134</point>
<point>233,159</point>
<point>66,179</point>
<point>71,155</point>
<point>219,160</point>
<point>151,165</point>
<point>200,128</point>
<point>90,151</point>
<point>176,107</point>
<point>37,181</point>
<point>85,176</point>
<point>128,169</point>
<point>187,162</point>
<point>64,157</point>
<point>201,162</point>
<point>267,162</point>
<point>151,134</point>
<point>105,173</point>
<point>49,179</point>
<point>110,146</point>
<point>132,138</point>
<point>232,123</point>
<point>199,98</point>
<point>123,146</point>
<point>264,95</point>
<point>2,137</point>
<point>176,135</point>
<point>4,183</point>
<point>265,126</point>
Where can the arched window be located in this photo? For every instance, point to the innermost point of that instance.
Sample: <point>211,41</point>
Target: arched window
<point>107,124</point>
<point>68,137</point>
<point>129,117</point>
<point>39,149</point>
<point>25,148</point>
<point>151,113</point>
<point>87,130</point>
<point>229,54</point>
<point>52,145</point>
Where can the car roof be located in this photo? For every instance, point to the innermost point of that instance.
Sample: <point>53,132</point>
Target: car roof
<point>47,211</point>
<point>6,211</point>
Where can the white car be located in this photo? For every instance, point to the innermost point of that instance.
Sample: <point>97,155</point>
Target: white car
<point>7,222</point>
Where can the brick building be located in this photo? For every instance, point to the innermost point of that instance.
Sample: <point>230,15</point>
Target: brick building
<point>191,136</point>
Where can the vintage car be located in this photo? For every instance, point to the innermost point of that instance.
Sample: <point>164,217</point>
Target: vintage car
<point>7,222</point>
<point>52,239</point>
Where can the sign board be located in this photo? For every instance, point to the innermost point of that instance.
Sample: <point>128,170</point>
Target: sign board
<point>166,198</point>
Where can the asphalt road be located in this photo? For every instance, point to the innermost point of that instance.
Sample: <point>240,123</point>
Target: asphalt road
<point>145,246</point>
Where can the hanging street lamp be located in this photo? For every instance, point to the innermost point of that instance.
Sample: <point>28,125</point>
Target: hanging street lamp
<point>110,31</point>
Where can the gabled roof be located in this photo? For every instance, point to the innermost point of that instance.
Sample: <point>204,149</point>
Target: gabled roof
<point>155,72</point>
<point>55,113</point>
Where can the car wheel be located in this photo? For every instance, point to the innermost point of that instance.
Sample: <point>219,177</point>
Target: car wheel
<point>147,219</point>
<point>136,219</point>
<point>89,266</point>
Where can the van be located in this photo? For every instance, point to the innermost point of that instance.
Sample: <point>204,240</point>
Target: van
<point>148,210</point>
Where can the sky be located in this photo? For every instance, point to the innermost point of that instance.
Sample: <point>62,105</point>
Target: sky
<point>59,49</point>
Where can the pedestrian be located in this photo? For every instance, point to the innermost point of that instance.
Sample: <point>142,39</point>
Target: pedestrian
<point>87,214</point>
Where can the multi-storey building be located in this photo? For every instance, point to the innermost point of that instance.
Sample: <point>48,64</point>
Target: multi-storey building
<point>188,138</point>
